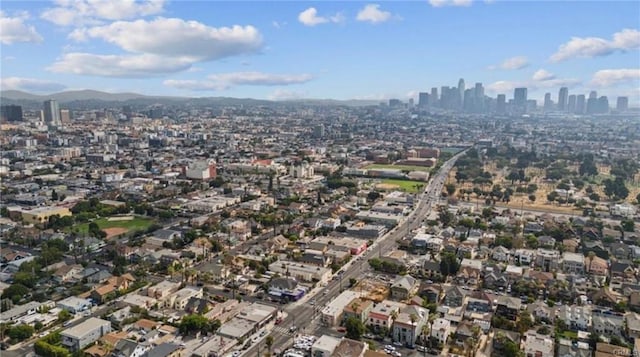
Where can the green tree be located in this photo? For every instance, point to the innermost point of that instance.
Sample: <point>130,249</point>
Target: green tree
<point>15,292</point>
<point>355,328</point>
<point>451,188</point>
<point>269,342</point>
<point>628,225</point>
<point>193,323</point>
<point>20,332</point>
<point>64,315</point>
<point>449,264</point>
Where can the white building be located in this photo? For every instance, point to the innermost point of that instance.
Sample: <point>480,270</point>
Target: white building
<point>303,170</point>
<point>325,346</point>
<point>332,313</point>
<point>201,170</point>
<point>576,317</point>
<point>537,345</point>
<point>440,330</point>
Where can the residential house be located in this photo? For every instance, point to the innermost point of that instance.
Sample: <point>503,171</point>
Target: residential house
<point>500,339</point>
<point>408,325</point>
<point>404,287</point>
<point>163,289</point>
<point>358,308</point>
<point>572,263</point>
<point>547,260</point>
<point>524,256</point>
<point>597,266</point>
<point>541,311</point>
<point>381,314</point>
<point>129,348</point>
<point>67,273</point>
<point>165,350</point>
<point>454,296</point>
<point>568,348</point>
<point>546,242</point>
<point>632,324</point>
<point>85,333</point>
<point>508,307</point>
<point>180,298</point>
<point>607,322</point>
<point>575,317</point>
<point>501,254</point>
<point>440,330</point>
<point>608,350</point>
<point>537,345</point>
<point>571,245</point>
<point>622,270</point>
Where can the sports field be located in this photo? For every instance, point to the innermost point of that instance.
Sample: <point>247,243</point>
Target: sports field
<point>398,167</point>
<point>404,185</point>
<point>133,224</point>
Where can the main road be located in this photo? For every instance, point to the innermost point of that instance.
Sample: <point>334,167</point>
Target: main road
<point>301,315</point>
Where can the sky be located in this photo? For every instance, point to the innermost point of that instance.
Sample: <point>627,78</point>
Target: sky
<point>339,50</point>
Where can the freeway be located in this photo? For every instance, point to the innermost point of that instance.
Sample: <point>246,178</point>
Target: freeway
<point>301,315</point>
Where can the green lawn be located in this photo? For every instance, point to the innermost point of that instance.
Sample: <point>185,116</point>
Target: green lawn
<point>405,185</point>
<point>398,167</point>
<point>136,224</point>
<point>570,335</point>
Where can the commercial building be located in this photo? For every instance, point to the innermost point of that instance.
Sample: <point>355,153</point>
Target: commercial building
<point>84,334</point>
<point>74,304</point>
<point>51,112</point>
<point>201,170</point>
<point>332,313</point>
<point>10,113</point>
<point>41,215</point>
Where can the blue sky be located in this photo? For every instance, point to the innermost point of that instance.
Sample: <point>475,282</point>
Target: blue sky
<point>341,50</point>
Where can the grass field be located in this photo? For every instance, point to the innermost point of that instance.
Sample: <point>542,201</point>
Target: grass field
<point>405,185</point>
<point>398,167</point>
<point>136,224</point>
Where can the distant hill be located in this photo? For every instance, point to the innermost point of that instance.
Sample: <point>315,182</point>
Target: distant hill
<point>92,98</point>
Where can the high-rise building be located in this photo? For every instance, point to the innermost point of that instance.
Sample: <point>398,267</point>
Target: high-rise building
<point>603,105</point>
<point>571,106</point>
<point>65,116</point>
<point>580,104</point>
<point>51,112</point>
<point>445,99</point>
<point>622,104</point>
<point>563,94</point>
<point>520,100</point>
<point>501,105</point>
<point>548,103</point>
<point>592,103</point>
<point>394,103</point>
<point>318,131</point>
<point>460,95</point>
<point>11,113</point>
<point>434,97</point>
<point>478,93</point>
<point>468,100</point>
<point>423,99</point>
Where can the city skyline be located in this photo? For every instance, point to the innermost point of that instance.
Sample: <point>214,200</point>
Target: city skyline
<point>354,50</point>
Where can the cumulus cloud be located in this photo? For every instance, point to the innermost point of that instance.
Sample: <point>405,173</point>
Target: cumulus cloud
<point>372,13</point>
<point>30,85</point>
<point>162,45</point>
<point>610,77</point>
<point>587,47</point>
<point>310,17</point>
<point>14,29</point>
<point>543,75</point>
<point>144,65</point>
<point>512,63</point>
<point>221,81</point>
<point>92,12</point>
<point>541,79</point>
<point>176,37</point>
<point>442,3</point>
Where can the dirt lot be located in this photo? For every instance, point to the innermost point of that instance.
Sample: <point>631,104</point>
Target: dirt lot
<point>373,290</point>
<point>114,232</point>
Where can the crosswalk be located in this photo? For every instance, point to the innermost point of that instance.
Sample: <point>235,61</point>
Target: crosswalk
<point>282,330</point>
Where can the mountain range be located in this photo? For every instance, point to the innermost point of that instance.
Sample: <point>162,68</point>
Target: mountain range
<point>90,98</point>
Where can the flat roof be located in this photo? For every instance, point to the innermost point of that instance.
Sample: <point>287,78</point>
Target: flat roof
<point>338,304</point>
<point>82,329</point>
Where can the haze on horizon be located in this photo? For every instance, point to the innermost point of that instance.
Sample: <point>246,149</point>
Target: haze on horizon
<point>338,50</point>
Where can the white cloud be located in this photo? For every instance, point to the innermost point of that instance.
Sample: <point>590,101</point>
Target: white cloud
<point>283,94</point>
<point>145,65</point>
<point>176,37</point>
<point>14,29</point>
<point>541,79</point>
<point>372,13</point>
<point>587,47</point>
<point>30,85</point>
<point>441,3</point>
<point>223,81</point>
<point>309,17</point>
<point>543,75</point>
<point>512,63</point>
<point>609,77</point>
<point>93,12</point>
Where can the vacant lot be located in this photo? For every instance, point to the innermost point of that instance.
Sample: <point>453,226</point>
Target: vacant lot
<point>135,224</point>
<point>398,167</point>
<point>404,185</point>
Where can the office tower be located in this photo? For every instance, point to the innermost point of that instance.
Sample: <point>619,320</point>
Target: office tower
<point>434,97</point>
<point>11,113</point>
<point>548,104</point>
<point>423,99</point>
<point>126,110</point>
<point>394,103</point>
<point>65,116</point>
<point>411,102</point>
<point>51,112</point>
<point>501,105</point>
<point>468,100</point>
<point>580,104</point>
<point>592,103</point>
<point>318,131</point>
<point>478,93</point>
<point>444,97</point>
<point>460,96</point>
<point>603,105</point>
<point>571,106</point>
<point>563,94</point>
<point>622,104</point>
<point>520,100</point>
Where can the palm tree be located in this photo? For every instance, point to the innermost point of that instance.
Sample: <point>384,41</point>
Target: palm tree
<point>591,255</point>
<point>394,317</point>
<point>425,334</point>
<point>269,342</point>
